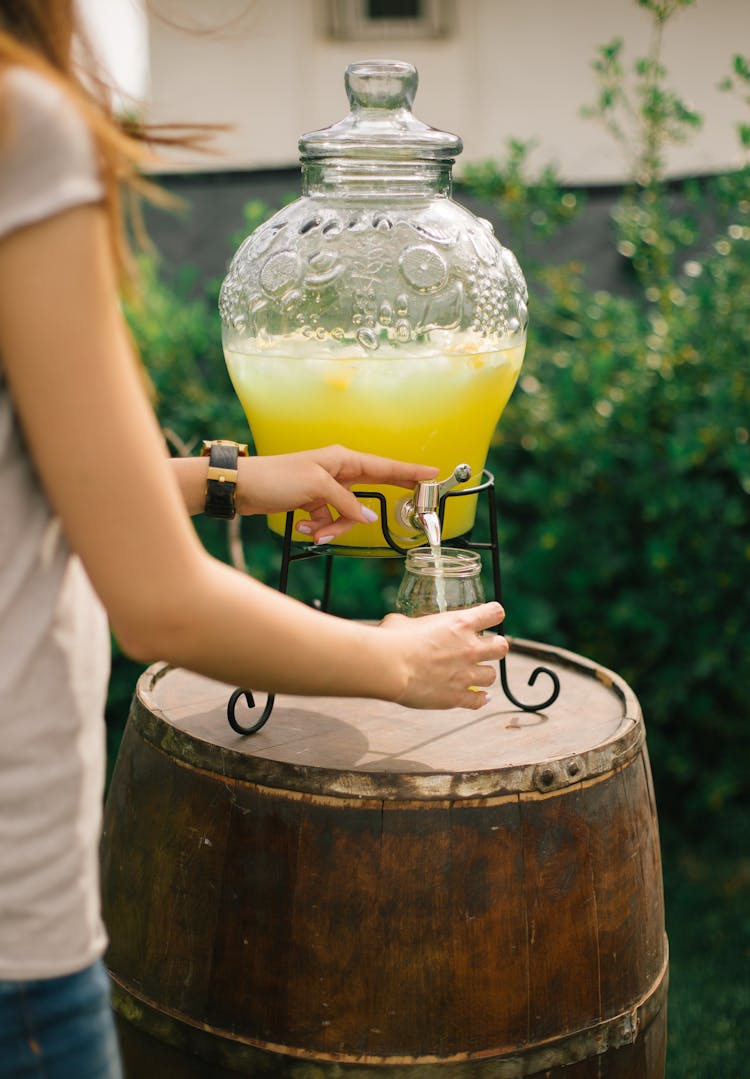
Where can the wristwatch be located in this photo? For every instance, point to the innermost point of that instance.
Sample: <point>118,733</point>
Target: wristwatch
<point>221,480</point>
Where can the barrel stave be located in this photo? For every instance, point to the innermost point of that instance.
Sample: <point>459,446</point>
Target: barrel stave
<point>628,890</point>
<point>563,983</point>
<point>488,951</point>
<point>165,843</point>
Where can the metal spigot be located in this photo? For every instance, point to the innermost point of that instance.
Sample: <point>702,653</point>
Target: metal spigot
<point>421,510</point>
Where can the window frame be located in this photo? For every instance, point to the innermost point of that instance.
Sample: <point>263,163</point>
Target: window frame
<point>347,20</point>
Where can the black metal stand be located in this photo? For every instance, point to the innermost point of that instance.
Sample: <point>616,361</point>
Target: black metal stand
<point>486,487</point>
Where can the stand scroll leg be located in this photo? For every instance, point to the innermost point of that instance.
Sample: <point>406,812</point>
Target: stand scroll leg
<point>250,700</point>
<point>532,679</point>
<point>234,723</point>
<point>495,546</point>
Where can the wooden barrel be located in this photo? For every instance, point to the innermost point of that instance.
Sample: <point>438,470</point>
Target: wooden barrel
<point>364,890</point>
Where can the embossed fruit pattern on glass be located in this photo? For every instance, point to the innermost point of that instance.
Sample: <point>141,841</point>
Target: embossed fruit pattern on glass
<point>375,311</point>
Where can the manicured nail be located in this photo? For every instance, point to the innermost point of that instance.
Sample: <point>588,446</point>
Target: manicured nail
<point>368,514</point>
<point>305,527</point>
<point>324,539</point>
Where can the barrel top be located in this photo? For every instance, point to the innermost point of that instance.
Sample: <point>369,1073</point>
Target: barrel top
<point>374,748</point>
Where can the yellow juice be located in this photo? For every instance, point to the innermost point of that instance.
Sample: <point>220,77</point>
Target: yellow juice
<point>439,409</point>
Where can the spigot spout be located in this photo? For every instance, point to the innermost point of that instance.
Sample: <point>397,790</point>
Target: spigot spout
<point>430,524</point>
<point>421,511</point>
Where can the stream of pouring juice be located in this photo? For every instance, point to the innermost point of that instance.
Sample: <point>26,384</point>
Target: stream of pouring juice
<point>439,409</point>
<point>442,602</point>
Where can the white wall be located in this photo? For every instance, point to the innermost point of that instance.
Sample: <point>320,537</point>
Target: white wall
<point>517,68</point>
<point>118,32</point>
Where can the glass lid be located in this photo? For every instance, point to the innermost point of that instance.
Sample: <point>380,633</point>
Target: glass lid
<point>381,123</point>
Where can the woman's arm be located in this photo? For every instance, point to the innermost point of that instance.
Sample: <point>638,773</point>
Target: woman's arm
<point>100,456</point>
<point>313,480</point>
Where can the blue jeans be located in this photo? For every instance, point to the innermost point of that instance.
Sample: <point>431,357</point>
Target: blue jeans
<point>59,1028</point>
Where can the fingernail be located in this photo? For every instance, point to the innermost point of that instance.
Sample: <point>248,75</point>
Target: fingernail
<point>324,539</point>
<point>304,527</point>
<point>368,514</point>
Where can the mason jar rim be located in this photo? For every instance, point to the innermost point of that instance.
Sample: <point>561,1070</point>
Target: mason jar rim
<point>455,562</point>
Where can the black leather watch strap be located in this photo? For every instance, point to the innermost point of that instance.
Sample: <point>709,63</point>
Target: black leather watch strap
<point>221,480</point>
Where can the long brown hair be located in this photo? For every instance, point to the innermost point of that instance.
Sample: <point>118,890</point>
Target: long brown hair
<point>46,35</point>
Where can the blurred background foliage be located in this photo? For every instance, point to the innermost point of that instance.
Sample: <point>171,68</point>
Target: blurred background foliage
<point>623,472</point>
<point>624,458</point>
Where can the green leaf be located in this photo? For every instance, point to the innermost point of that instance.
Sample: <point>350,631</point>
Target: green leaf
<point>741,67</point>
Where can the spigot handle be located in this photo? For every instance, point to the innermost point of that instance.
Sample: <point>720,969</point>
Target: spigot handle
<point>427,494</point>
<point>461,473</point>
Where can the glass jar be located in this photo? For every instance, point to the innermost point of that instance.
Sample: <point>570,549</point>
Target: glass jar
<point>445,579</point>
<point>374,311</point>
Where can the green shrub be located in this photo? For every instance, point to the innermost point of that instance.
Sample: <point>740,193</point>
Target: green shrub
<point>624,456</point>
<point>623,464</point>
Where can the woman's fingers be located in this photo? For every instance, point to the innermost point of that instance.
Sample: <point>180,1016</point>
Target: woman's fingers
<point>374,469</point>
<point>483,675</point>
<point>323,527</point>
<point>320,522</point>
<point>484,616</point>
<point>350,509</point>
<point>493,646</point>
<point>487,615</point>
<point>350,466</point>
<point>474,699</point>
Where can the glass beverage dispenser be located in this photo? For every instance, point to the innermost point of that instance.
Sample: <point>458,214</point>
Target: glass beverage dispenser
<point>374,311</point>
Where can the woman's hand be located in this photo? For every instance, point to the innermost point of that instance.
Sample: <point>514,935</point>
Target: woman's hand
<point>447,658</point>
<point>318,482</point>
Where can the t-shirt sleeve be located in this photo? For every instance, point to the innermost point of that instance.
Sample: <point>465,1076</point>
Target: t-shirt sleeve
<point>47,158</point>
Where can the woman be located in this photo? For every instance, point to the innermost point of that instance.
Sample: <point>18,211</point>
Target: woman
<point>94,518</point>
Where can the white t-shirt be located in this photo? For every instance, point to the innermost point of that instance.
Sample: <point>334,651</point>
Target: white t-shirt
<point>54,638</point>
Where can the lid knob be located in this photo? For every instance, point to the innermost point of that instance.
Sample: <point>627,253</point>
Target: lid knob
<point>381,84</point>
